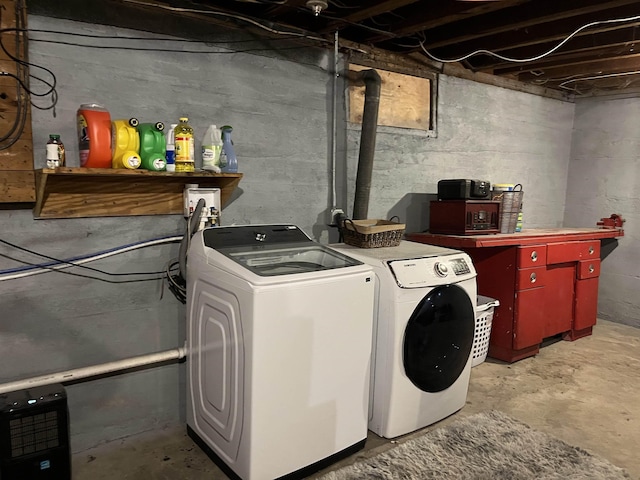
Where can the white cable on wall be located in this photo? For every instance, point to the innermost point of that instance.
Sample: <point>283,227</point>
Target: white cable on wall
<point>531,59</point>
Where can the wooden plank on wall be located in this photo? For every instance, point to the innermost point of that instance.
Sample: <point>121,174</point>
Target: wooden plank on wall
<point>405,100</point>
<point>17,186</point>
<point>16,157</point>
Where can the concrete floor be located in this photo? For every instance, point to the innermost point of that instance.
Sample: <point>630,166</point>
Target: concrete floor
<point>584,392</point>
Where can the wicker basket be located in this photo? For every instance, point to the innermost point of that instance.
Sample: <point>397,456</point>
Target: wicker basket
<point>372,233</point>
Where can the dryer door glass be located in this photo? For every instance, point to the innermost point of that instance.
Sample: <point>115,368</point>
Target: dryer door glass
<point>438,338</point>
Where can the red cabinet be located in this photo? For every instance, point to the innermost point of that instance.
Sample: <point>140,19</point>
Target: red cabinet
<point>546,282</point>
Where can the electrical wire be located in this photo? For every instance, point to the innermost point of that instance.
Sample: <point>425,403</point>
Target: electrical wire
<point>595,77</point>
<point>36,269</point>
<point>531,59</point>
<point>169,50</point>
<point>71,264</point>
<point>57,270</point>
<point>150,39</point>
<point>177,285</point>
<point>15,132</point>
<point>338,4</point>
<point>231,15</point>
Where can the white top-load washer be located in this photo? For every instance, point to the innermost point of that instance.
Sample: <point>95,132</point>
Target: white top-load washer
<point>279,342</point>
<point>423,334</point>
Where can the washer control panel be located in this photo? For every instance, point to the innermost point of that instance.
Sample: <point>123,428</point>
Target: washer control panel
<point>441,269</point>
<point>460,266</point>
<point>431,271</point>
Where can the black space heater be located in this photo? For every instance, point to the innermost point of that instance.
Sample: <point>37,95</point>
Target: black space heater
<point>34,434</point>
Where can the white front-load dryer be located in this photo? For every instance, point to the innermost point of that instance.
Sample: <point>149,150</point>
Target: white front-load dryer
<point>279,342</point>
<point>423,334</point>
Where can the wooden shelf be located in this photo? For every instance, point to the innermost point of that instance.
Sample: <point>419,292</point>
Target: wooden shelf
<point>104,192</point>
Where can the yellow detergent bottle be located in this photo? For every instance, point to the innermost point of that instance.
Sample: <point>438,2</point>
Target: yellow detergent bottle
<point>125,144</point>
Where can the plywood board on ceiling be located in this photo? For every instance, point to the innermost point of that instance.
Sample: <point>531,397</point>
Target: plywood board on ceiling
<point>405,100</point>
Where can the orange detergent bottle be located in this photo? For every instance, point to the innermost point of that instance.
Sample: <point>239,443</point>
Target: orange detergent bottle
<point>94,136</point>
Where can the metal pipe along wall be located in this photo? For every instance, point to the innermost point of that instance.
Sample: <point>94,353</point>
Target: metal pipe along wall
<point>94,370</point>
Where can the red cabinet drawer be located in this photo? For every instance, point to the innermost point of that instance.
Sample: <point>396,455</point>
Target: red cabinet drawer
<point>530,278</point>
<point>532,256</point>
<point>572,251</point>
<point>588,269</point>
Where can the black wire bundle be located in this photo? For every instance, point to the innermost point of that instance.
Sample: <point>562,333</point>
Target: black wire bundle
<point>72,264</point>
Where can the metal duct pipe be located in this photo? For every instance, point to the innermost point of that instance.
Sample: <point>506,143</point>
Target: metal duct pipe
<point>372,83</point>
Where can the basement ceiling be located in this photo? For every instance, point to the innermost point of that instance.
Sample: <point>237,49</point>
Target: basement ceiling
<point>581,47</point>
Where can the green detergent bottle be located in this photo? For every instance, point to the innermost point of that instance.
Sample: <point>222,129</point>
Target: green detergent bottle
<point>153,146</point>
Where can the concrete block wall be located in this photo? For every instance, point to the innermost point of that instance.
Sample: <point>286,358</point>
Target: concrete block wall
<point>484,132</point>
<point>604,178</point>
<point>280,106</point>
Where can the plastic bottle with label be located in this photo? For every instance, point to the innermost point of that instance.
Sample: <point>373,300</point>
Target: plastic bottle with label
<point>125,144</point>
<point>171,149</point>
<point>55,152</point>
<point>211,148</point>
<point>184,146</point>
<point>228,155</point>
<point>94,136</point>
<point>152,146</point>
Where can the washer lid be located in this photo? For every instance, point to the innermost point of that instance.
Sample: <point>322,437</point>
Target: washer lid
<point>270,250</point>
<point>249,236</point>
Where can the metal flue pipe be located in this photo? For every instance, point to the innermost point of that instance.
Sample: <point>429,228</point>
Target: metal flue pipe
<point>372,82</point>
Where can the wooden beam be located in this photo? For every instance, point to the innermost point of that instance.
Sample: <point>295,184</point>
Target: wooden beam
<point>570,14</point>
<point>455,70</point>
<point>439,14</point>
<point>619,36</point>
<point>580,57</point>
<point>367,12</point>
<point>616,65</point>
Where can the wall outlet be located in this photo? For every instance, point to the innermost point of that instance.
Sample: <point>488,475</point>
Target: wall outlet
<point>336,215</point>
<point>211,198</point>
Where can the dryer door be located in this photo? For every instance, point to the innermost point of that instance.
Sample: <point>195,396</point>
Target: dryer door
<point>438,338</point>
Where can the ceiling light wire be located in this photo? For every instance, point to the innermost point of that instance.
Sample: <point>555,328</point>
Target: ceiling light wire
<point>231,15</point>
<point>531,59</point>
<point>596,77</point>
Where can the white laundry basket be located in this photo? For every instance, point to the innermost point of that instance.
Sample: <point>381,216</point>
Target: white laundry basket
<point>484,317</point>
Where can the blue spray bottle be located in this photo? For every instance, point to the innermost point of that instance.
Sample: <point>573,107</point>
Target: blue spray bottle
<point>228,160</point>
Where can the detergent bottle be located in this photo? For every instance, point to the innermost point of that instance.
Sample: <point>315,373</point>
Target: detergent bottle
<point>211,147</point>
<point>230,164</point>
<point>94,136</point>
<point>125,144</point>
<point>171,149</point>
<point>152,146</point>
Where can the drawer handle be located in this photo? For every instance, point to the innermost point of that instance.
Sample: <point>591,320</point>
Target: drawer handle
<point>591,268</point>
<point>533,277</point>
<point>591,250</point>
<point>534,256</point>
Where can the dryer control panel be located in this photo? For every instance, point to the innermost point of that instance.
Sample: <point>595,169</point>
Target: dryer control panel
<point>432,271</point>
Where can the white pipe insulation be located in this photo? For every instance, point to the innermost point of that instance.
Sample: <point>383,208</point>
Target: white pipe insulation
<point>95,370</point>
